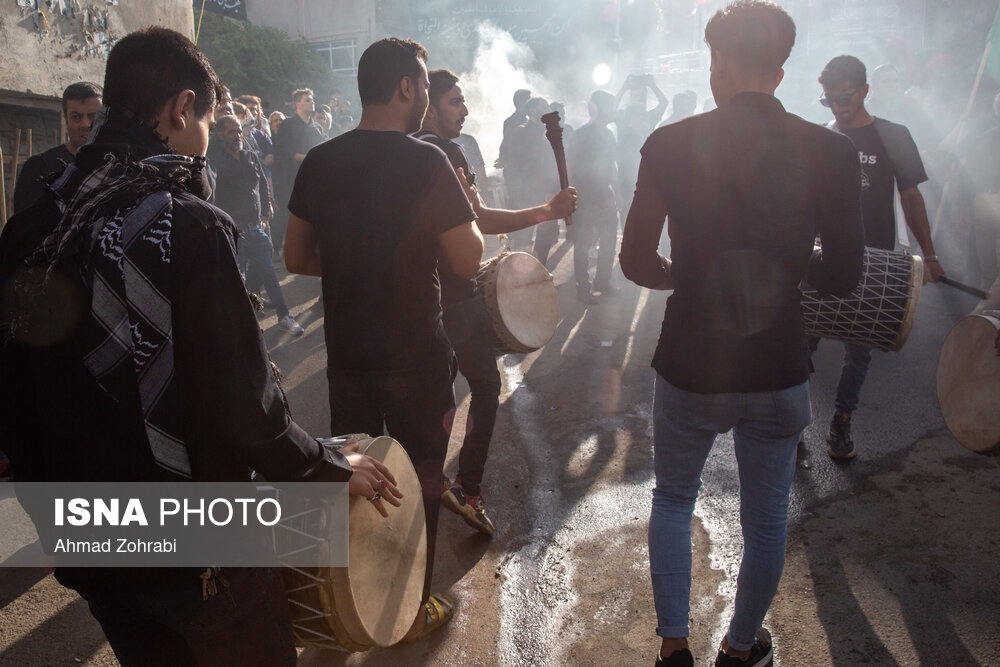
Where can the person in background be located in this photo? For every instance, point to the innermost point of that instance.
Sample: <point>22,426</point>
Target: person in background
<point>889,161</point>
<point>298,134</point>
<point>592,162</point>
<point>80,103</point>
<point>634,123</point>
<point>241,190</point>
<point>274,120</point>
<point>886,96</point>
<point>324,119</point>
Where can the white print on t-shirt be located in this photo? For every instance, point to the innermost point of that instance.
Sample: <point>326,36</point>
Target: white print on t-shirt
<point>866,179</point>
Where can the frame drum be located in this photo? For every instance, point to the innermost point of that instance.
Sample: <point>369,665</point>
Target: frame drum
<point>374,600</point>
<point>521,299</point>
<point>968,382</point>
<point>879,313</point>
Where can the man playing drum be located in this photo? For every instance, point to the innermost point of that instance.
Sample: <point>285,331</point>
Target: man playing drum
<point>746,187</point>
<point>465,318</point>
<point>371,212</point>
<point>889,159</point>
<point>78,406</point>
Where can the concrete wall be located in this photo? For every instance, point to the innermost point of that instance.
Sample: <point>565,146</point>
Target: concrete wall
<point>61,49</point>
<point>313,20</point>
<point>43,52</point>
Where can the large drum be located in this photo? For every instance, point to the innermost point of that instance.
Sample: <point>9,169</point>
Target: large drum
<point>521,299</point>
<point>968,382</point>
<point>879,313</point>
<point>373,601</point>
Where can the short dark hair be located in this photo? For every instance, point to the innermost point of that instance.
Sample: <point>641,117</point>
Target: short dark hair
<point>841,70</point>
<point>442,81</point>
<point>80,91</point>
<point>758,34</point>
<point>148,67</point>
<point>383,64</point>
<point>247,100</point>
<point>521,97</point>
<point>299,93</point>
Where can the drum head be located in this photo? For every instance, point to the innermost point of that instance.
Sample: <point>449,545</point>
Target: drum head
<point>968,383</point>
<point>527,300</point>
<point>378,595</point>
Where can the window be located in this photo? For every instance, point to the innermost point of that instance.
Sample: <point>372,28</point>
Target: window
<point>341,54</point>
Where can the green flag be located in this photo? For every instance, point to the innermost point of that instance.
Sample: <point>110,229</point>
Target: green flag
<point>993,62</point>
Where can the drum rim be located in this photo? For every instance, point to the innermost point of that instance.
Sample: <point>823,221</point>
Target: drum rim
<point>912,302</point>
<point>492,267</point>
<point>947,412</point>
<point>347,630</point>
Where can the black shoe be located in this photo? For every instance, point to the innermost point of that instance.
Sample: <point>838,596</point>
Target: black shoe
<point>841,446</point>
<point>761,654</point>
<point>608,289</point>
<point>681,658</point>
<point>585,295</point>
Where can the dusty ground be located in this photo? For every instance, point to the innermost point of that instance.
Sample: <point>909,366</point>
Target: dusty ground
<point>892,560</point>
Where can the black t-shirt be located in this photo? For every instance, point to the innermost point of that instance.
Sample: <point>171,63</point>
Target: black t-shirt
<point>28,188</point>
<point>378,202</point>
<point>294,136</point>
<point>881,171</point>
<point>453,288</point>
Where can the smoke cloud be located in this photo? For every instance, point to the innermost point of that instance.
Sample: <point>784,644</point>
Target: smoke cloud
<point>501,66</point>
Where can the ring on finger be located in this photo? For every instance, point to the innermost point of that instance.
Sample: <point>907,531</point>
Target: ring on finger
<point>382,484</point>
<point>375,496</point>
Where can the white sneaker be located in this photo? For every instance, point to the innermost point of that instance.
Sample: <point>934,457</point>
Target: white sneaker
<point>289,324</point>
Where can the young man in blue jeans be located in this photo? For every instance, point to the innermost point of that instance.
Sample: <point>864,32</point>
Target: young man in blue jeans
<point>747,188</point>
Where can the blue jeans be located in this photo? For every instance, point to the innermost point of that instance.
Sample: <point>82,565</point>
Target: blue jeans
<point>766,428</point>
<point>258,267</point>
<point>852,375</point>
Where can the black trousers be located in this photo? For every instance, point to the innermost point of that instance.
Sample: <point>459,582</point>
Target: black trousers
<point>597,227</point>
<point>470,331</point>
<point>417,410</point>
<point>246,623</point>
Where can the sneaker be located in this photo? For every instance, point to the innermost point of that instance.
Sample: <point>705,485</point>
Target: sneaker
<point>841,446</point>
<point>609,289</point>
<point>761,654</point>
<point>471,508</point>
<point>289,324</point>
<point>681,658</point>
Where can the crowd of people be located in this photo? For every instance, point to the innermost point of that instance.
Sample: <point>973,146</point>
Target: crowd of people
<point>747,189</point>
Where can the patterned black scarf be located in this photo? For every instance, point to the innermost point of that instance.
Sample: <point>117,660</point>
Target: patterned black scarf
<point>115,231</point>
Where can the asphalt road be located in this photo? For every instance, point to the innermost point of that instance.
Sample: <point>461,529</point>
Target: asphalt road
<point>891,558</point>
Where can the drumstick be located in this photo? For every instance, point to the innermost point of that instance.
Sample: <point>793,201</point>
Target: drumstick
<point>962,287</point>
<point>553,132</point>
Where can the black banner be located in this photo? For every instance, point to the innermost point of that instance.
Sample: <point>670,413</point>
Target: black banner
<point>234,9</point>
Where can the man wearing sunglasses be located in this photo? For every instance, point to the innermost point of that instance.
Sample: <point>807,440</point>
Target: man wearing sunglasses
<point>889,158</point>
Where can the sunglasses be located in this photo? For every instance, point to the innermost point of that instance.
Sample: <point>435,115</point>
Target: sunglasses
<point>840,100</point>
